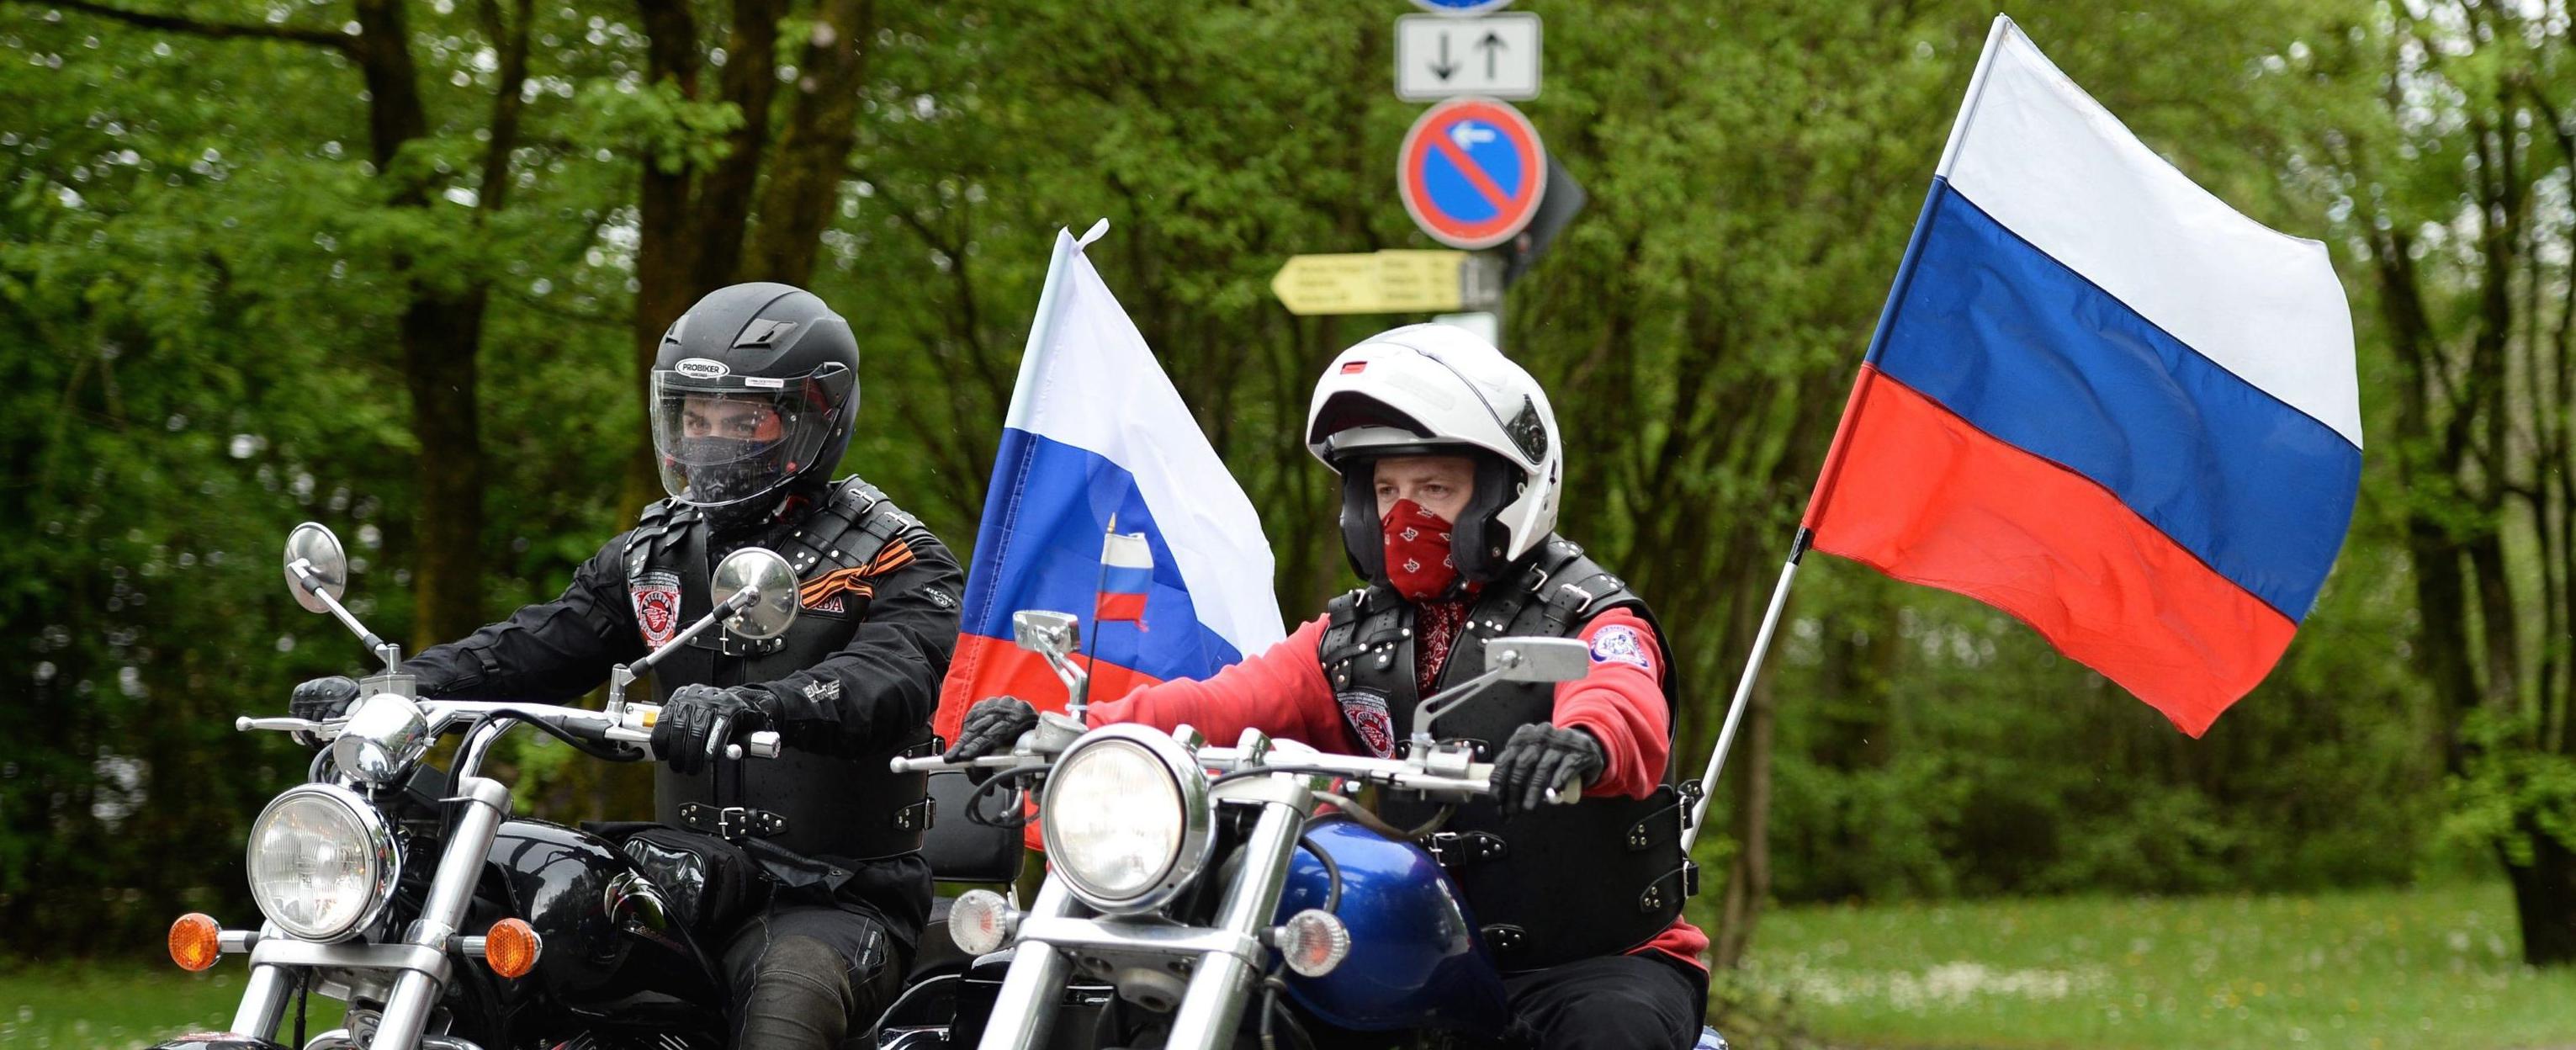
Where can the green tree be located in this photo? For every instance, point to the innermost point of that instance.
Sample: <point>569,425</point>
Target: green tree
<point>205,298</point>
<point>2455,186</point>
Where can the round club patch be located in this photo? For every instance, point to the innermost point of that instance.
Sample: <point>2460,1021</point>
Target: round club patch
<point>1622,644</point>
<point>1366,712</point>
<point>657,606</point>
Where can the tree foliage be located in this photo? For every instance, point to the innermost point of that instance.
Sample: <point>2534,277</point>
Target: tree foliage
<point>233,295</point>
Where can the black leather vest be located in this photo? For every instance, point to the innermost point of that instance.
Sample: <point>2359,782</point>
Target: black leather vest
<point>852,808</point>
<point>1599,877</point>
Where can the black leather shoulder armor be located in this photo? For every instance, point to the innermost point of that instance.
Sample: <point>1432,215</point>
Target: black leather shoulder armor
<point>658,531</point>
<point>855,522</point>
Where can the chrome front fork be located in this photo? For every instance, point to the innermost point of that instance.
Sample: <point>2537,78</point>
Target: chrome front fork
<point>451,891</point>
<point>1024,1011</point>
<point>1220,982</point>
<point>420,957</point>
<point>1224,981</point>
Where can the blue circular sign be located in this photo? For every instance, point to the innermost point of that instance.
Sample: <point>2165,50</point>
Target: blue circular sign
<point>1461,7</point>
<point>1471,172</point>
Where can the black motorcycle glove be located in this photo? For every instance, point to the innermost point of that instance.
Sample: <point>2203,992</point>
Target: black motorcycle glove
<point>699,720</point>
<point>1538,760</point>
<point>323,698</point>
<point>991,727</point>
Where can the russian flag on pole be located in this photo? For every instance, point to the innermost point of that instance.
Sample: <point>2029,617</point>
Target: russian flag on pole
<point>1126,570</point>
<point>1096,434</point>
<point>2101,400</point>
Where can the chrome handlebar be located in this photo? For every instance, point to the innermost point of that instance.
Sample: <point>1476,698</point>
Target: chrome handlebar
<point>1446,775</point>
<point>634,725</point>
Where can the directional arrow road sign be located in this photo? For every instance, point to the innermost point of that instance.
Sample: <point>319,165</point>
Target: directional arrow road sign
<point>1383,282</point>
<point>1439,56</point>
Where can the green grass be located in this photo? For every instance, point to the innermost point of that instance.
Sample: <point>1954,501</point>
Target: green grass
<point>2372,970</point>
<point>2377,970</point>
<point>127,1005</point>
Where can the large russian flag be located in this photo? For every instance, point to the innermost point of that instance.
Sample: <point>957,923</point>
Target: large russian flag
<point>1095,434</point>
<point>2101,400</point>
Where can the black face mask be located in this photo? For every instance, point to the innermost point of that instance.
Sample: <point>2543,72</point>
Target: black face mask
<point>733,468</point>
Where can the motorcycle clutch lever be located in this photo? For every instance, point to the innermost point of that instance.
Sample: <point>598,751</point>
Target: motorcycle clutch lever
<point>246,724</point>
<point>936,764</point>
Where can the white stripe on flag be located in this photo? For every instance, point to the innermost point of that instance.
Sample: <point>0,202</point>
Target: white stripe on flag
<point>1088,380</point>
<point>2053,166</point>
<point>1127,550</point>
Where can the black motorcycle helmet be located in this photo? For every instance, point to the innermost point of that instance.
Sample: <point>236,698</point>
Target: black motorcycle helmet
<point>754,393</point>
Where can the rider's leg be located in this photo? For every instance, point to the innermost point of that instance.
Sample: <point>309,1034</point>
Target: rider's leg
<point>1629,1002</point>
<point>805,977</point>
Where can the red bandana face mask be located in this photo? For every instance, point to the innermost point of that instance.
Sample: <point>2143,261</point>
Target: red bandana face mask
<point>1417,552</point>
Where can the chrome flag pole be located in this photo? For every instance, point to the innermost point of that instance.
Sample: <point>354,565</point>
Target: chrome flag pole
<point>1744,689</point>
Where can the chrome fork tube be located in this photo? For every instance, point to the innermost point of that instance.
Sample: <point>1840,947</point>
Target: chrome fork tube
<point>451,890</point>
<point>1024,1010</point>
<point>1218,989</point>
<point>263,1001</point>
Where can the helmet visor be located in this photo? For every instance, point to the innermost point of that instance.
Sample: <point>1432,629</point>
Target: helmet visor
<point>722,441</point>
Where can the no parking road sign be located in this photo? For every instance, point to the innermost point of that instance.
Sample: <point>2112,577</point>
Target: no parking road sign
<point>1471,172</point>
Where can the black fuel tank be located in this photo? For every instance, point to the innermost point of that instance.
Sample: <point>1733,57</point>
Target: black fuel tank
<point>600,946</point>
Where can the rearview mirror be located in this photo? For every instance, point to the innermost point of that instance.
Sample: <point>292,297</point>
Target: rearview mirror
<point>1538,659</point>
<point>1046,633</point>
<point>1529,659</point>
<point>762,571</point>
<point>322,562</point>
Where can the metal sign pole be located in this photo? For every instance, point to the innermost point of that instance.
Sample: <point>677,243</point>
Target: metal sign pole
<point>1744,688</point>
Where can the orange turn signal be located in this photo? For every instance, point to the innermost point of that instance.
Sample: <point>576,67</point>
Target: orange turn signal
<point>196,941</point>
<point>511,948</point>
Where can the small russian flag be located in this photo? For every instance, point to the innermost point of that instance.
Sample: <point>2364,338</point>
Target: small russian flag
<point>1126,569</point>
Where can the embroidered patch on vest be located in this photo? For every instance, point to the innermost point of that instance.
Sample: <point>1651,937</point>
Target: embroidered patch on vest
<point>657,606</point>
<point>1367,715</point>
<point>1621,644</point>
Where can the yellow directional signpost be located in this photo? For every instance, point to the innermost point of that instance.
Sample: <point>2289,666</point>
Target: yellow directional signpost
<point>1383,282</point>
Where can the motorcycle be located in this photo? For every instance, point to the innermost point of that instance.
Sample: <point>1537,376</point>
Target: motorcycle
<point>1202,897</point>
<point>384,881</point>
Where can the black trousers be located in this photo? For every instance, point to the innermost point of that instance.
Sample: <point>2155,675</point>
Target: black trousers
<point>1648,1001</point>
<point>807,976</point>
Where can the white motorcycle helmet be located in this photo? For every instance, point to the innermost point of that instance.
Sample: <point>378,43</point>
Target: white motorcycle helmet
<point>1430,389</point>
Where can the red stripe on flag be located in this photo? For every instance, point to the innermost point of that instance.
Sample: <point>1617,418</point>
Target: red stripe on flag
<point>1117,606</point>
<point>989,667</point>
<point>1926,497</point>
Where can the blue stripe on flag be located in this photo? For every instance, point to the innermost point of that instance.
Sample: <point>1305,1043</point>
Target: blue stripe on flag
<point>1070,494</point>
<point>2033,353</point>
<point>1118,579</point>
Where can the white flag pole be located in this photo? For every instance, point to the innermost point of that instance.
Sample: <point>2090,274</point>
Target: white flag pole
<point>1024,390</point>
<point>1798,547</point>
<point>1976,88</point>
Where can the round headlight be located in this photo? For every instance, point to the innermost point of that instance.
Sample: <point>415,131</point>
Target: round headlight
<point>322,863</point>
<point>1126,818</point>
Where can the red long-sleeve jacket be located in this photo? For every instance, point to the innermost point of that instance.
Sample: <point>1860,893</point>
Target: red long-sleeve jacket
<point>1282,691</point>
